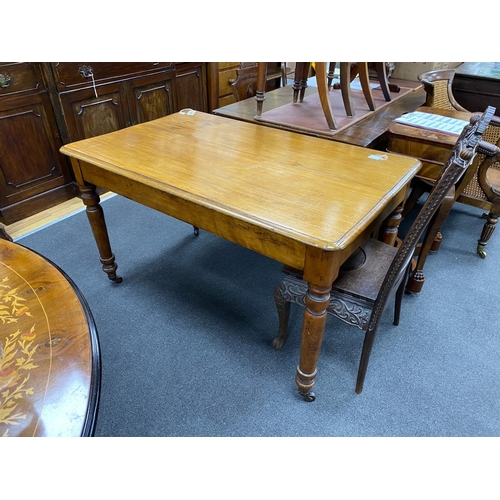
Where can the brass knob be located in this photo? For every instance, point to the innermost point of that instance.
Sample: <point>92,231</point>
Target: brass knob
<point>4,81</point>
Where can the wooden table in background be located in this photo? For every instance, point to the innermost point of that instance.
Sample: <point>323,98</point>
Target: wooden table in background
<point>50,370</point>
<point>302,201</point>
<point>368,132</point>
<point>431,147</point>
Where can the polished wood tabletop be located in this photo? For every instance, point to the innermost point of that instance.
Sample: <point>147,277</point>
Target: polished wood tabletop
<point>49,352</point>
<point>368,132</point>
<point>302,201</point>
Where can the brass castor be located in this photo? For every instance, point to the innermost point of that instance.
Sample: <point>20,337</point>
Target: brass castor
<point>481,252</point>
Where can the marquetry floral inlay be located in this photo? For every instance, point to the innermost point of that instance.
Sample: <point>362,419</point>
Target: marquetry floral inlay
<point>16,354</point>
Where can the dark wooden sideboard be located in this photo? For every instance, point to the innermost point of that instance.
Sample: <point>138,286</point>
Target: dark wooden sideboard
<point>477,85</point>
<point>33,174</point>
<point>46,105</point>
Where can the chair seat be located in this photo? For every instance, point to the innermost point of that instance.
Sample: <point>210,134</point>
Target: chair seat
<point>365,281</point>
<point>354,291</point>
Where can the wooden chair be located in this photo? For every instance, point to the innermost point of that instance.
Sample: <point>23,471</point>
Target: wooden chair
<point>486,153</point>
<point>245,85</point>
<point>484,188</point>
<point>476,190</point>
<point>348,72</point>
<point>438,88</point>
<point>361,293</point>
<point>300,85</point>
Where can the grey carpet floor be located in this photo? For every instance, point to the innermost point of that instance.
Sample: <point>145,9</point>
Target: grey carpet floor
<point>185,338</point>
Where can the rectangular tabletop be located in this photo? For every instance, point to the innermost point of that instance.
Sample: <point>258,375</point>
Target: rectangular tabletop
<point>303,189</point>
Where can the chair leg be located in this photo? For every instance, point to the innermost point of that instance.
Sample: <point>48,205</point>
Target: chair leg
<point>488,229</point>
<point>283,308</point>
<point>324,96</point>
<point>345,87</point>
<point>365,357</point>
<point>399,299</point>
<point>303,80</point>
<point>283,74</point>
<point>300,81</point>
<point>260,93</point>
<point>296,81</point>
<point>364,79</point>
<point>331,74</point>
<point>383,80</point>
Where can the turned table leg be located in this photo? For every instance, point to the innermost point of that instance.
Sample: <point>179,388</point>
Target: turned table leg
<point>320,270</point>
<point>95,215</point>
<point>313,327</point>
<point>389,232</point>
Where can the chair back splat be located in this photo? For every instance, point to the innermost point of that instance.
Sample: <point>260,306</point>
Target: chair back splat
<point>360,295</point>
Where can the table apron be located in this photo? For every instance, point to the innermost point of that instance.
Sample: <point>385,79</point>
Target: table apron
<point>267,242</point>
<point>261,240</point>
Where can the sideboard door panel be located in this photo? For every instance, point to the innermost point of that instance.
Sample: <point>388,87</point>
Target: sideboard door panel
<point>30,163</point>
<point>89,116</point>
<point>151,98</point>
<point>190,87</point>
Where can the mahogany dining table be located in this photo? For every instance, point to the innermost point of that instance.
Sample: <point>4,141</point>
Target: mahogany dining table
<point>303,201</point>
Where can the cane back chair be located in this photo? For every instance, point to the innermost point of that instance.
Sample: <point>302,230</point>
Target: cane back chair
<point>481,190</point>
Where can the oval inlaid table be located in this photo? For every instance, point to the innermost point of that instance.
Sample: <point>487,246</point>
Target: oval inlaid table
<point>50,370</point>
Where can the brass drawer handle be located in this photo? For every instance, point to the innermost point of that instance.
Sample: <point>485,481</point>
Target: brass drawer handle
<point>4,81</point>
<point>85,71</point>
